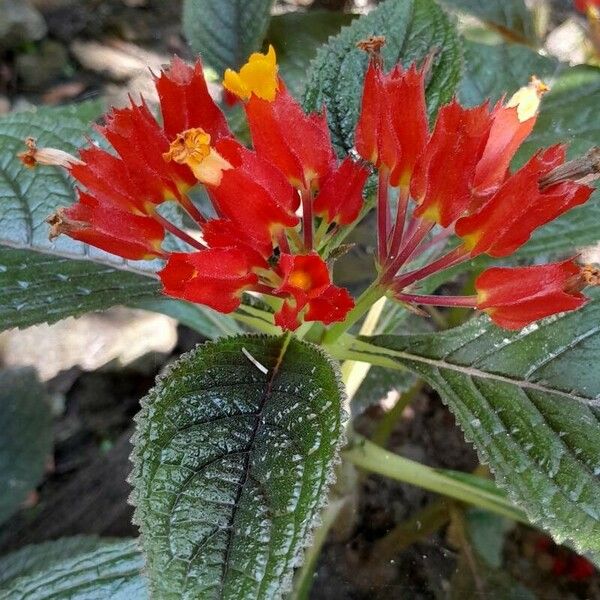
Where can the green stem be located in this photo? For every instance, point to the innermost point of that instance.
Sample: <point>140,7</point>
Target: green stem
<point>363,304</point>
<point>366,455</point>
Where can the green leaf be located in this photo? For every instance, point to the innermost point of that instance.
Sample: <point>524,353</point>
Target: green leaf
<point>232,464</point>
<point>77,568</point>
<point>39,557</point>
<point>495,70</point>
<point>529,402</point>
<point>26,440</point>
<point>412,28</point>
<point>41,288</point>
<point>296,37</point>
<point>225,33</point>
<point>511,18</point>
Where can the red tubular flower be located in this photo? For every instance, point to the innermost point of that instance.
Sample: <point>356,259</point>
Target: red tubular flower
<point>299,144</point>
<point>443,177</point>
<point>505,222</point>
<point>254,194</point>
<point>392,127</point>
<point>516,297</point>
<point>341,196</point>
<point>216,277</point>
<point>185,102</point>
<point>306,282</point>
<point>512,123</point>
<point>116,231</point>
<point>588,6</point>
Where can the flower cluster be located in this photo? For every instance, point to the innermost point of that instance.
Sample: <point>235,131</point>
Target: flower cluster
<point>261,236</point>
<point>459,179</point>
<point>277,206</point>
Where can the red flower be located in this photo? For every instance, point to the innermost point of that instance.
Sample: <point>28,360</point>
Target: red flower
<point>392,128</point>
<point>507,219</point>
<point>512,123</point>
<point>306,283</point>
<point>341,196</point>
<point>443,177</point>
<point>516,297</point>
<point>588,6</point>
<point>216,277</point>
<point>119,232</point>
<point>185,102</point>
<point>254,194</point>
<point>297,143</point>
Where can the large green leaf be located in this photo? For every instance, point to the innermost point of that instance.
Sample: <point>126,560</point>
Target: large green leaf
<point>495,70</point>
<point>225,33</point>
<point>509,17</point>
<point>233,456</point>
<point>529,402</point>
<point>296,37</point>
<point>413,28</point>
<point>74,568</point>
<point>26,439</point>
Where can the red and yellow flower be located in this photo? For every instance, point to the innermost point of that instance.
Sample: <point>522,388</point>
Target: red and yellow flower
<point>268,200</point>
<point>254,242</point>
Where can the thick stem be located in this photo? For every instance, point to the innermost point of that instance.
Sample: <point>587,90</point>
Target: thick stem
<point>451,259</point>
<point>182,235</point>
<point>307,220</point>
<point>383,215</point>
<point>467,301</point>
<point>369,456</point>
<point>398,231</point>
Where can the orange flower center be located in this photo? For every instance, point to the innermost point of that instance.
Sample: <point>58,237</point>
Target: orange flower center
<point>258,76</point>
<point>192,148</point>
<point>300,280</point>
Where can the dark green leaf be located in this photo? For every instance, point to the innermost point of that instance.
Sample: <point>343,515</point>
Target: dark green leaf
<point>225,33</point>
<point>487,532</point>
<point>412,28</point>
<point>296,37</point>
<point>495,70</point>
<point>42,288</point>
<point>510,17</point>
<point>26,440</point>
<point>232,464</point>
<point>39,557</point>
<point>77,568</point>
<point>529,402</point>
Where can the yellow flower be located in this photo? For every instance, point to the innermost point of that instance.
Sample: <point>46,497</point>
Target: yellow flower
<point>258,76</point>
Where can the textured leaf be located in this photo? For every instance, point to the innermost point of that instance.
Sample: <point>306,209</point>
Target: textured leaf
<point>76,568</point>
<point>296,37</point>
<point>412,28</point>
<point>231,466</point>
<point>41,288</point>
<point>225,33</point>
<point>26,439</point>
<point>529,402</point>
<point>495,70</point>
<point>510,17</point>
